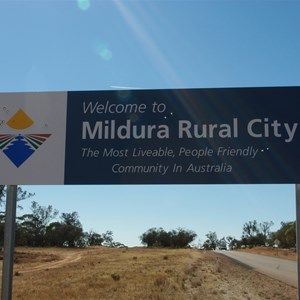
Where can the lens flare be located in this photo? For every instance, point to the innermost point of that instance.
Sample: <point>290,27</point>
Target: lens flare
<point>104,52</point>
<point>83,4</point>
<point>134,118</point>
<point>136,23</point>
<point>124,95</point>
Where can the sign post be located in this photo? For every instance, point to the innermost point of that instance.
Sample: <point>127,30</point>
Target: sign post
<point>298,234</point>
<point>9,242</point>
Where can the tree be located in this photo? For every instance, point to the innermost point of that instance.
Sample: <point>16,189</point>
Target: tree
<point>222,243</point>
<point>71,229</point>
<point>108,239</point>
<point>66,233</point>
<point>286,234</point>
<point>290,234</point>
<point>93,238</point>
<point>178,238</point>
<point>264,229</point>
<point>212,241</point>
<point>39,228</point>
<point>149,238</point>
<point>250,229</point>
<point>164,239</point>
<point>181,238</point>
<point>233,243</point>
<point>55,234</point>
<point>255,234</point>
<point>32,227</point>
<point>21,195</point>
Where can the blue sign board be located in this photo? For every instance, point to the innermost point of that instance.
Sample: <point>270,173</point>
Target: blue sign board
<point>183,136</point>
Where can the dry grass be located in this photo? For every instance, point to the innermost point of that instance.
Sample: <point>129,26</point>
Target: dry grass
<point>275,252</point>
<point>137,273</point>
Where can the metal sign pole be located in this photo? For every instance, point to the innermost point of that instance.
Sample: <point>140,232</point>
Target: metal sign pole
<point>298,234</point>
<point>9,242</point>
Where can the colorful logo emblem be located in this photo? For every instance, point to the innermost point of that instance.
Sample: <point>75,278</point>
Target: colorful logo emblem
<point>18,148</point>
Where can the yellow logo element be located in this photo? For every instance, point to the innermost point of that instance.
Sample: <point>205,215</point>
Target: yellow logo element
<point>20,120</point>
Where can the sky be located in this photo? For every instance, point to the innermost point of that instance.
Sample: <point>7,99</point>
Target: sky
<point>106,45</point>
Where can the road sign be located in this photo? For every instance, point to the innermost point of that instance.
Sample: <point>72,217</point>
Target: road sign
<point>173,136</point>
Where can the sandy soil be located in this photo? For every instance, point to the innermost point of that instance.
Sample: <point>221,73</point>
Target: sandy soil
<point>138,273</point>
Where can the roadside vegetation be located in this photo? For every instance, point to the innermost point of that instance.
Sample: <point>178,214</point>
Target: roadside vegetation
<point>255,234</point>
<point>158,237</point>
<point>46,227</point>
